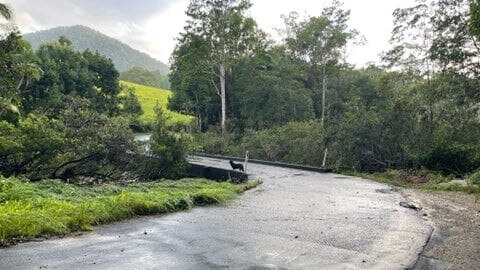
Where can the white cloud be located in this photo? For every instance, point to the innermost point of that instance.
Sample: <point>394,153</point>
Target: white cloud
<point>27,21</point>
<point>162,30</point>
<point>373,18</point>
<point>152,25</point>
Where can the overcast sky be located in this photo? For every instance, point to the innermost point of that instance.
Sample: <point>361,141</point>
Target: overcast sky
<point>152,25</point>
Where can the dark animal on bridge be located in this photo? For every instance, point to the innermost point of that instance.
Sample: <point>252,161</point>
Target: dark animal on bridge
<point>236,166</point>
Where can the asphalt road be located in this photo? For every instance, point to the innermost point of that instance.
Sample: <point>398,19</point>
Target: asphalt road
<point>294,220</point>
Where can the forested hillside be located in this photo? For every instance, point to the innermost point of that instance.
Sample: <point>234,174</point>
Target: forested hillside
<point>82,37</point>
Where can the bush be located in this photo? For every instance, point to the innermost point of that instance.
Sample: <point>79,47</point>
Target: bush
<point>80,143</point>
<point>212,142</point>
<point>96,146</point>
<point>31,147</point>
<point>168,148</point>
<point>295,142</point>
<point>451,158</point>
<point>474,178</point>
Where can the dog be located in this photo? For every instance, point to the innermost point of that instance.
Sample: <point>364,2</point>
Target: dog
<point>236,166</point>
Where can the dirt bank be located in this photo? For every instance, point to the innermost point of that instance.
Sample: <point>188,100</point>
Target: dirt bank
<point>455,242</point>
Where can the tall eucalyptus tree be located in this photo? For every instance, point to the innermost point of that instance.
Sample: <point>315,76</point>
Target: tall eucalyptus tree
<point>320,41</point>
<point>228,33</point>
<point>437,36</point>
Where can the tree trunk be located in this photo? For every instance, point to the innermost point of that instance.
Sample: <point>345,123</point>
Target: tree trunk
<point>198,113</point>
<point>324,88</point>
<point>222,96</point>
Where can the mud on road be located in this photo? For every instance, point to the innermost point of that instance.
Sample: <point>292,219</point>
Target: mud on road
<point>455,241</point>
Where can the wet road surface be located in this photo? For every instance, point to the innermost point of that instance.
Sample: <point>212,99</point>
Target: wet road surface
<point>294,220</point>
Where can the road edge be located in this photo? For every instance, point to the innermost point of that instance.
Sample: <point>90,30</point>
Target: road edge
<point>271,163</point>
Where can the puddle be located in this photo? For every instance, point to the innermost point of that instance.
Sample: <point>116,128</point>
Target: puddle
<point>384,190</point>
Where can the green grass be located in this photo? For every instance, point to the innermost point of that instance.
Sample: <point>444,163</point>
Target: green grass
<point>149,96</point>
<point>474,178</point>
<point>51,207</point>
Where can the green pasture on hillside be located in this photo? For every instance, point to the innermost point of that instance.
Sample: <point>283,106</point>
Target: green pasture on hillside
<point>149,96</point>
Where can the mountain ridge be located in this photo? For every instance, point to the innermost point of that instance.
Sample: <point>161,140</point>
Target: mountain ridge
<point>123,56</point>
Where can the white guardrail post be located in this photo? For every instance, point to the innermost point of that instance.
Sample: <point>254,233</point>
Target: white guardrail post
<point>245,162</point>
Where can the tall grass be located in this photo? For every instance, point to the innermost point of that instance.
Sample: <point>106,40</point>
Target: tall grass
<point>149,96</point>
<point>51,207</point>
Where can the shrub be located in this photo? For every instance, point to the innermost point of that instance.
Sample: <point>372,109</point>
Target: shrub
<point>295,142</point>
<point>212,142</point>
<point>31,147</point>
<point>168,148</point>
<point>451,158</point>
<point>474,178</point>
<point>80,143</point>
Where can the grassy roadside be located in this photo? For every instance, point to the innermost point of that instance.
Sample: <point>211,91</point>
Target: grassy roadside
<point>425,180</point>
<point>51,207</point>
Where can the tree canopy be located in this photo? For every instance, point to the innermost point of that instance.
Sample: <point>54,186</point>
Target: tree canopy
<point>418,110</point>
<point>290,100</point>
<point>69,73</point>
<point>62,116</point>
<point>225,34</point>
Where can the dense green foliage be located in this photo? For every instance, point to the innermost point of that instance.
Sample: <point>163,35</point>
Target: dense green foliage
<point>474,178</point>
<point>167,148</point>
<point>291,101</point>
<point>193,92</point>
<point>143,76</point>
<point>67,74</point>
<point>80,143</point>
<point>16,72</point>
<point>295,142</point>
<point>51,207</point>
<point>268,91</point>
<point>62,115</point>
<point>283,98</point>
<point>218,33</point>
<point>83,38</point>
<point>319,42</point>
<point>474,18</point>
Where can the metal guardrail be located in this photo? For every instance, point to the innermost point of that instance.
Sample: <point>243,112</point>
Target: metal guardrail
<point>271,163</point>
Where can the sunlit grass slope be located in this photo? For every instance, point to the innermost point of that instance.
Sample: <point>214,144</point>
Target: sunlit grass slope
<point>149,96</point>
